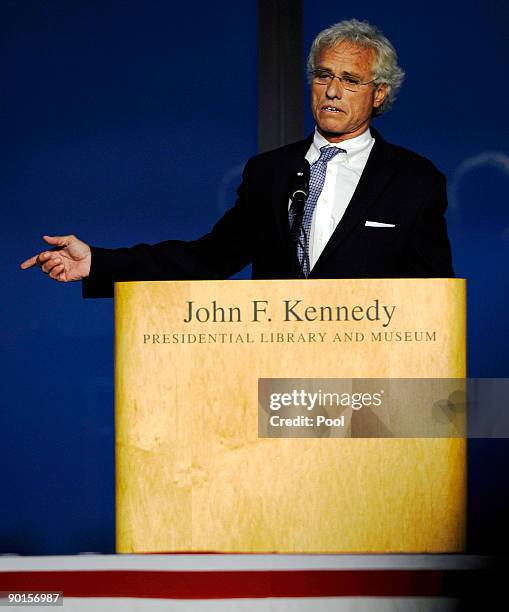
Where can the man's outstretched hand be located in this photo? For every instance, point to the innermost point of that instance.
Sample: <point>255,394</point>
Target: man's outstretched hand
<point>68,260</point>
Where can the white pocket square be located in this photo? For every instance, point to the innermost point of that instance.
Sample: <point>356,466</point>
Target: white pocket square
<point>378,224</point>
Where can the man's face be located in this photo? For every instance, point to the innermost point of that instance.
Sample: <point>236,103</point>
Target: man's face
<point>341,114</point>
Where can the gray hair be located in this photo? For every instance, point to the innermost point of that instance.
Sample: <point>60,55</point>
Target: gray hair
<point>385,66</point>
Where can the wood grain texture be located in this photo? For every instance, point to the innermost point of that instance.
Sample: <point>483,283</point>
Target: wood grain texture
<point>192,473</point>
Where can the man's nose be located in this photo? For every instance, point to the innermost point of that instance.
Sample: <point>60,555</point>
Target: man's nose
<point>334,88</point>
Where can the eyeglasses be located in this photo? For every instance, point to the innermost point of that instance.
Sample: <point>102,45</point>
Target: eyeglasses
<point>324,77</point>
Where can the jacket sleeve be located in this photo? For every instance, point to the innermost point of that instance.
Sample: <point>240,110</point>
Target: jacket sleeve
<point>429,251</point>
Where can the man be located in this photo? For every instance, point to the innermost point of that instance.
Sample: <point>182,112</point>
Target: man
<point>374,210</point>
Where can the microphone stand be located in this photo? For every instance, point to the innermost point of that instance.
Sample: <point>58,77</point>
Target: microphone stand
<point>298,199</point>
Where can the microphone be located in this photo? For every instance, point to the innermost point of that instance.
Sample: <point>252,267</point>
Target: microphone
<point>298,195</point>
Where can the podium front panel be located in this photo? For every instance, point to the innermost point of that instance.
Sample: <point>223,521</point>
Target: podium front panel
<point>193,474</point>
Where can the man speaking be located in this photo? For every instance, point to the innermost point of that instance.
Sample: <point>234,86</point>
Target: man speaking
<point>343,203</point>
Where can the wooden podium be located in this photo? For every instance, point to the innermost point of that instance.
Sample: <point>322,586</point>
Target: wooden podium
<point>193,473</point>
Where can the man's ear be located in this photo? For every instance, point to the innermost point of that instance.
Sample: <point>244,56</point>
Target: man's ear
<point>380,95</point>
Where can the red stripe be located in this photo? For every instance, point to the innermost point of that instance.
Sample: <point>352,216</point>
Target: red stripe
<point>256,584</point>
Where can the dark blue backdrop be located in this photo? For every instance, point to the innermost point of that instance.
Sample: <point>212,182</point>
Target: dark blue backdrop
<point>126,122</point>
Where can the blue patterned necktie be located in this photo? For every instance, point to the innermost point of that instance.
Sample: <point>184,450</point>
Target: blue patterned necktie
<point>317,174</point>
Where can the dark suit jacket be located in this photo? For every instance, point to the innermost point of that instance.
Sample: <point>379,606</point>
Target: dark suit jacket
<point>397,187</point>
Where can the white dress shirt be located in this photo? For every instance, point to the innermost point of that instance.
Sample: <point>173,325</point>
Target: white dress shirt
<point>343,174</point>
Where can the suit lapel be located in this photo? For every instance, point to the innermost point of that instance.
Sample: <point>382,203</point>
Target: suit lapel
<point>377,173</point>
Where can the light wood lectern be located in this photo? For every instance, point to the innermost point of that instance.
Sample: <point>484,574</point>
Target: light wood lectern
<point>193,474</point>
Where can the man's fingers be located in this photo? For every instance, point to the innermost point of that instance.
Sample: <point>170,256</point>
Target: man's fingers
<point>46,260</point>
<point>42,257</point>
<point>55,260</point>
<point>56,272</point>
<point>58,240</point>
<point>50,264</point>
<point>29,262</point>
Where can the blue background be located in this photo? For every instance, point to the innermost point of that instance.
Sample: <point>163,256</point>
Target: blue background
<point>126,122</point>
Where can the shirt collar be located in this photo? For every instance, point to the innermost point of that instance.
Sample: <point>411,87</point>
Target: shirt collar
<point>351,145</point>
